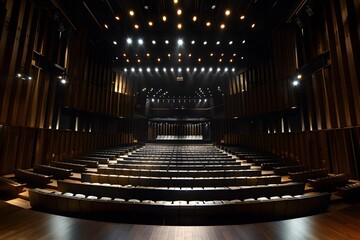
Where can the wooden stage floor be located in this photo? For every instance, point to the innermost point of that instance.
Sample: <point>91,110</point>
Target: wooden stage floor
<point>341,222</point>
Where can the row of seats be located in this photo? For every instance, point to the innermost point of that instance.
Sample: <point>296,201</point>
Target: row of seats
<point>349,192</point>
<point>10,187</point>
<point>56,172</point>
<point>150,166</point>
<point>329,182</point>
<point>180,162</point>
<point>32,178</point>
<point>303,176</point>
<point>284,170</point>
<point>178,173</point>
<point>179,212</point>
<point>179,182</point>
<point>79,168</point>
<point>188,193</point>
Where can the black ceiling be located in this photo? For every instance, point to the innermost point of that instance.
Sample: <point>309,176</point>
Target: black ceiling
<point>220,51</point>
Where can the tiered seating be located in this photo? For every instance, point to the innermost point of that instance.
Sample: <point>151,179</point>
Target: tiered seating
<point>177,137</point>
<point>31,178</point>
<point>178,184</point>
<point>73,166</point>
<point>179,212</point>
<point>284,170</point>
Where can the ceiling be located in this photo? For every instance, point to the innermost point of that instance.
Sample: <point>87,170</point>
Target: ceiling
<point>208,42</point>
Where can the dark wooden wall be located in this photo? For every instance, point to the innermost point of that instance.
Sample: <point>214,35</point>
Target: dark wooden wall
<point>316,122</point>
<point>41,119</point>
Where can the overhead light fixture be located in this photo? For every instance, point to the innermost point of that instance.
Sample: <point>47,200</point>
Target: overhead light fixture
<point>159,60</point>
<point>172,69</point>
<point>131,12</point>
<point>146,7</point>
<point>156,69</point>
<point>231,42</point>
<point>243,41</point>
<point>166,41</point>
<point>124,54</point>
<point>253,25</point>
<point>129,40</point>
<point>140,41</point>
<point>210,69</point>
<point>148,54</point>
<point>189,55</point>
<point>139,61</point>
<point>194,18</point>
<point>179,26</point>
<point>227,12</point>
<point>230,60</point>
<point>164,18</point>
<point>213,7</point>
<point>179,60</point>
<point>179,12</point>
<point>115,42</point>
<point>211,54</point>
<point>242,17</point>
<point>226,69</point>
<point>202,69</point>
<point>295,83</point>
<point>63,81</point>
<point>220,60</point>
<point>299,76</point>
<point>169,55</point>
<point>193,42</point>
<point>208,24</point>
<point>140,69</point>
<point>125,69</point>
<point>117,18</point>
<point>136,26</point>
<point>188,69</point>
<point>164,69</point>
<point>205,42</point>
<point>233,69</point>
<point>106,26</point>
<point>218,69</point>
<point>175,1</point>
<point>127,60</point>
<point>222,26</point>
<point>151,23</point>
<point>133,69</point>
<point>199,59</point>
<point>179,70</point>
<point>153,42</point>
<point>242,58</point>
<point>179,54</point>
<point>234,54</point>
<point>195,69</point>
<point>148,69</point>
<point>218,42</point>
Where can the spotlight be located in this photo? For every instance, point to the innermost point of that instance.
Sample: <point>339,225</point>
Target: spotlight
<point>295,83</point>
<point>129,40</point>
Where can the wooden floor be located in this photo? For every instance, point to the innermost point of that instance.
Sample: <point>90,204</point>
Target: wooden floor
<point>340,222</point>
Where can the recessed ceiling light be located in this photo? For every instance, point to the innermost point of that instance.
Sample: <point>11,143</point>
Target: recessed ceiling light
<point>164,18</point>
<point>218,42</point>
<point>175,1</point>
<point>193,42</point>
<point>179,26</point>
<point>179,60</point>
<point>148,54</point>
<point>242,17</point>
<point>117,18</point>
<point>138,60</point>
<point>210,69</point>
<point>115,42</point>
<point>124,54</point>
<point>179,70</point>
<point>131,12</point>
<point>222,54</point>
<point>169,55</point>
<point>220,60</point>
<point>199,59</point>
<point>234,54</point>
<point>188,69</point>
<point>227,12</point>
<point>158,59</point>
<point>195,69</point>
<point>226,69</point>
<point>106,26</point>
<point>218,69</point>
<point>129,40</point>
<point>151,23</point>
<point>136,26</point>
<point>242,57</point>
<point>140,41</point>
<point>125,69</point>
<point>243,41</point>
<point>190,55</point>
<point>211,54</point>
<point>253,25</point>
<point>222,26</point>
<point>233,69</point>
<point>213,6</point>
<point>172,69</point>
<point>179,12</point>
<point>205,42</point>
<point>202,69</point>
<point>231,42</point>
<point>133,69</point>
<point>156,70</point>
<point>148,69</point>
<point>164,69</point>
<point>140,69</point>
<point>230,60</point>
<point>179,54</point>
<point>127,60</point>
<point>194,18</point>
<point>208,24</point>
<point>153,42</point>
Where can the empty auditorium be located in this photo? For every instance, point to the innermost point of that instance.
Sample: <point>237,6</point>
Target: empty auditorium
<point>180,119</point>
